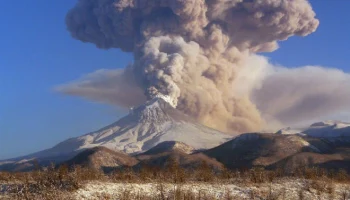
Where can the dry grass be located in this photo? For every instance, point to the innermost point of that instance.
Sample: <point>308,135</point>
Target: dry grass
<point>345,194</point>
<point>58,183</point>
<point>177,193</point>
<point>46,184</point>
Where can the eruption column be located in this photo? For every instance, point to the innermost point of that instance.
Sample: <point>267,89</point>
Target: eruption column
<point>192,50</point>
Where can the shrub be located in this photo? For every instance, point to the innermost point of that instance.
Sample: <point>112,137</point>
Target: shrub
<point>174,171</point>
<point>204,173</point>
<point>342,176</point>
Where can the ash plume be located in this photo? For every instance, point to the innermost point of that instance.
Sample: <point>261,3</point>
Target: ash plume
<point>116,87</point>
<point>193,50</point>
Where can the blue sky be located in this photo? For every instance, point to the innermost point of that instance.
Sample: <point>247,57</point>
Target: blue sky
<point>37,53</point>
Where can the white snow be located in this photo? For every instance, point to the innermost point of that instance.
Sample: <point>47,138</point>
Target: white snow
<point>217,191</point>
<point>326,129</point>
<point>24,161</point>
<point>6,162</point>
<point>331,123</point>
<point>183,147</point>
<point>303,143</point>
<point>285,188</point>
<point>141,137</point>
<point>289,131</point>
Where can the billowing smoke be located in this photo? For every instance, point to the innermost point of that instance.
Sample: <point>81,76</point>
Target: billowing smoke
<point>284,96</point>
<point>302,95</point>
<point>194,50</point>
<point>115,87</point>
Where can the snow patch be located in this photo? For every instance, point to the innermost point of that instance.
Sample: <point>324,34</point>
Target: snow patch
<point>328,129</point>
<point>303,143</point>
<point>325,129</point>
<point>288,131</point>
<point>288,189</point>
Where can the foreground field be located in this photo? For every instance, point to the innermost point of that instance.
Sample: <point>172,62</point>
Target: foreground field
<point>175,183</point>
<point>283,189</point>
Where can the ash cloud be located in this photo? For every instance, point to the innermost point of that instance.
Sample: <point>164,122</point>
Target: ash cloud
<point>194,50</point>
<point>304,94</point>
<point>115,87</point>
<point>283,96</point>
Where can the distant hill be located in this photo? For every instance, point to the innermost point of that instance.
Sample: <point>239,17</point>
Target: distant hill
<point>284,151</point>
<point>99,157</point>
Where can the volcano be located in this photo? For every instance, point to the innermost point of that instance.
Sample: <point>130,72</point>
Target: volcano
<point>144,127</point>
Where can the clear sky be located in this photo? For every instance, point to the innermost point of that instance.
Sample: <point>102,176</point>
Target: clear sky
<point>37,53</point>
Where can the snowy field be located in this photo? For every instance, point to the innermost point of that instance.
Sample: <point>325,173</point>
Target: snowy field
<point>287,189</point>
<point>284,189</point>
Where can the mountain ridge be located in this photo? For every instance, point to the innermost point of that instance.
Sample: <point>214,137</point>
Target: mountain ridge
<point>144,127</point>
<point>155,131</point>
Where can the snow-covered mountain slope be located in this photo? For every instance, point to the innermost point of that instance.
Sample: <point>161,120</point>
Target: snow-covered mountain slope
<point>326,129</point>
<point>168,147</point>
<point>150,124</point>
<point>146,126</point>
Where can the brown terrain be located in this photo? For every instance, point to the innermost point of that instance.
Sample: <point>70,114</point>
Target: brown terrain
<point>159,156</point>
<point>284,151</point>
<point>266,150</point>
<point>99,157</point>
